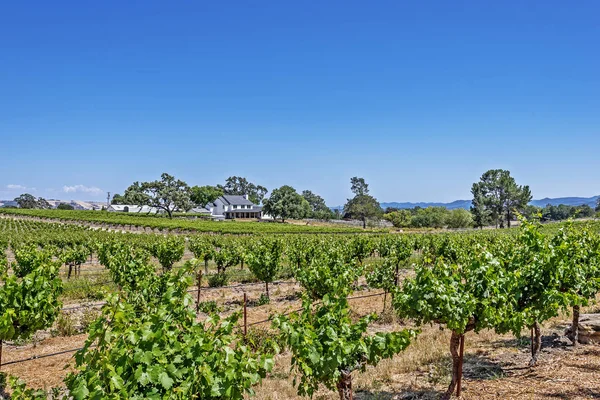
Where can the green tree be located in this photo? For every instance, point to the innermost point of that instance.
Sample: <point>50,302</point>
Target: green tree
<point>362,206</point>
<point>430,217</point>
<point>168,194</point>
<point>399,218</point>
<point>358,186</point>
<point>135,194</point>
<point>26,200</point>
<point>337,214</point>
<point>29,201</point>
<point>65,206</point>
<point>236,185</point>
<point>317,205</point>
<point>117,199</point>
<point>481,214</point>
<point>583,211</point>
<point>501,196</point>
<point>598,205</point>
<point>203,195</point>
<point>43,203</point>
<point>459,218</point>
<point>286,203</point>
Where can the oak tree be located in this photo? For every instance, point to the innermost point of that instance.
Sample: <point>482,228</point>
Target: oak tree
<point>286,203</point>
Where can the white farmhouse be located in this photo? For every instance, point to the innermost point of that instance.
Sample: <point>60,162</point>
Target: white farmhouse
<point>224,207</point>
<point>231,207</point>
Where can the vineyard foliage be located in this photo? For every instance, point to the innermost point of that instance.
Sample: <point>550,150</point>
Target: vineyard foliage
<point>29,297</point>
<point>327,346</point>
<point>165,224</point>
<point>264,258</point>
<point>148,343</point>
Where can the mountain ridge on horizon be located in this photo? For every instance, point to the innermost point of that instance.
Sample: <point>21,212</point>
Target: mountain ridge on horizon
<point>466,204</point>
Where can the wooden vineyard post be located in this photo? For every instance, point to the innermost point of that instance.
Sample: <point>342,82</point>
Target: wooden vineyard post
<point>1,343</point>
<point>245,316</point>
<point>198,294</point>
<point>460,365</point>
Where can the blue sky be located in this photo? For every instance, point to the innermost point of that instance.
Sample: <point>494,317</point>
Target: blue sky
<point>419,98</point>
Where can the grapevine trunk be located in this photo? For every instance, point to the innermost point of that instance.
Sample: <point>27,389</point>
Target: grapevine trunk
<point>344,386</point>
<point>454,351</point>
<point>574,336</point>
<point>536,343</point>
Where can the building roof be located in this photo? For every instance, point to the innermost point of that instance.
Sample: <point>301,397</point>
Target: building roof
<point>236,200</point>
<point>200,210</point>
<point>133,208</point>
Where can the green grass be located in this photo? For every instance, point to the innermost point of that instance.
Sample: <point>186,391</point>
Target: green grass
<point>87,288</point>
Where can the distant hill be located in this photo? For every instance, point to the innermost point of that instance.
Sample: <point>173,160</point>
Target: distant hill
<point>451,206</point>
<point>77,204</point>
<point>570,201</point>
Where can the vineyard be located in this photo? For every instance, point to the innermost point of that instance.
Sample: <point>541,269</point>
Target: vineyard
<point>279,313</point>
<point>151,222</point>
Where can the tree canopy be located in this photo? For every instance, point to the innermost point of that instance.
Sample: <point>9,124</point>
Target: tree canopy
<point>399,218</point>
<point>430,217</point>
<point>562,212</point>
<point>117,199</point>
<point>168,194</point>
<point>362,206</point>
<point>358,186</point>
<point>27,200</point>
<point>286,203</point>
<point>317,205</point>
<point>498,195</point>
<point>203,195</point>
<point>459,218</point>
<point>237,185</point>
<point>65,206</point>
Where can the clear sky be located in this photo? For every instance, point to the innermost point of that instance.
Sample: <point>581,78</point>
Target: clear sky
<point>419,98</point>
